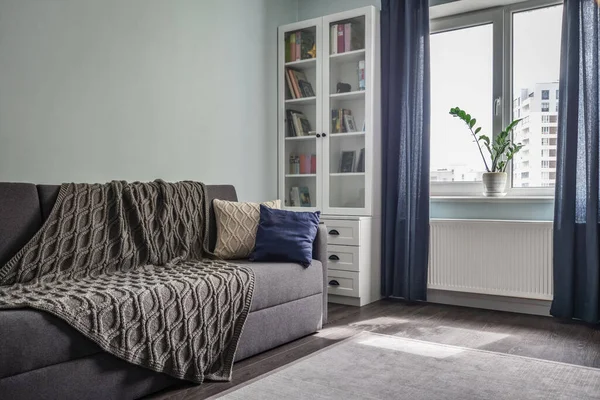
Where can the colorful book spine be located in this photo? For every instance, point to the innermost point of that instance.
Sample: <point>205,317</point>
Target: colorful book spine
<point>305,163</point>
<point>347,36</point>
<point>340,39</point>
<point>293,46</point>
<point>361,75</point>
<point>313,163</point>
<point>333,39</point>
<point>290,85</point>
<point>294,83</point>
<point>298,45</point>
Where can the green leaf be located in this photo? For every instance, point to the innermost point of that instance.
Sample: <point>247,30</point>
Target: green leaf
<point>472,123</point>
<point>477,130</point>
<point>485,139</point>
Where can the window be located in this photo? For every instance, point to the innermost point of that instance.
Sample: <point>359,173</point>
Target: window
<point>545,141</point>
<point>545,95</point>
<point>552,141</point>
<point>545,163</point>
<point>556,94</point>
<point>556,106</point>
<point>467,84</point>
<point>509,53</point>
<point>549,153</point>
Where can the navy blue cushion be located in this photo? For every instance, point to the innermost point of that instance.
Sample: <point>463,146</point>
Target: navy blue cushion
<point>285,236</point>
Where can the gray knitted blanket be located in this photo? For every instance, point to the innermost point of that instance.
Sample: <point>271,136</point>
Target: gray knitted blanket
<point>122,263</point>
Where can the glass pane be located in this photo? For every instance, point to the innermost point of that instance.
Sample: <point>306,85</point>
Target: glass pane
<point>300,146</point>
<point>347,131</point>
<point>536,68</point>
<point>461,76</point>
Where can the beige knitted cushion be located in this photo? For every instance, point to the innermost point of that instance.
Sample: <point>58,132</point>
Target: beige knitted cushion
<point>236,227</point>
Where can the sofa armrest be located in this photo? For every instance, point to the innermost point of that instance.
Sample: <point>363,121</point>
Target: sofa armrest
<point>320,253</point>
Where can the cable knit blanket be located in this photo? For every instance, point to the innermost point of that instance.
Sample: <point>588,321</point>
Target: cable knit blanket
<point>122,263</point>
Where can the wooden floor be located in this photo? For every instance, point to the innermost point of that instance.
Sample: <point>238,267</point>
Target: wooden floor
<point>525,335</point>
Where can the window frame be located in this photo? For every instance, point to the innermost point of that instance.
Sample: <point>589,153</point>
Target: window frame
<point>501,19</point>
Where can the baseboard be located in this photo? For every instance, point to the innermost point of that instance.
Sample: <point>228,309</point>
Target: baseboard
<point>490,302</point>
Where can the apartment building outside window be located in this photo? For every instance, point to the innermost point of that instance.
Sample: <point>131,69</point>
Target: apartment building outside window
<point>545,95</point>
<point>545,106</point>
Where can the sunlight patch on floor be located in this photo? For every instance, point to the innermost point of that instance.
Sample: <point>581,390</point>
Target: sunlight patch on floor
<point>411,347</point>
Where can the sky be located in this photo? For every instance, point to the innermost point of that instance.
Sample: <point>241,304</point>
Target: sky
<point>462,71</point>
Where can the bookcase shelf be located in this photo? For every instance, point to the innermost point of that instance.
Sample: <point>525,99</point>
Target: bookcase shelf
<point>337,174</point>
<point>348,56</point>
<point>357,94</point>
<point>347,134</point>
<point>312,137</point>
<point>302,64</point>
<point>303,100</point>
<point>300,175</point>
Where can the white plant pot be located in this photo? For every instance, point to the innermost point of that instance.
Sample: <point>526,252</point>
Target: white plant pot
<point>494,184</point>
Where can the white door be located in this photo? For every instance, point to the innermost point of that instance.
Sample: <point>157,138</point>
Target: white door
<point>300,148</point>
<point>347,88</point>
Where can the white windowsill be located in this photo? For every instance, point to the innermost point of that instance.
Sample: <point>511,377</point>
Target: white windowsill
<point>483,199</point>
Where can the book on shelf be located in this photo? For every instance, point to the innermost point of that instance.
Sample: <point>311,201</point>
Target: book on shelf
<point>341,120</point>
<point>298,124</point>
<point>292,44</point>
<point>360,165</point>
<point>297,84</point>
<point>333,39</point>
<point>361,75</point>
<point>340,38</point>
<point>346,37</point>
<point>299,45</point>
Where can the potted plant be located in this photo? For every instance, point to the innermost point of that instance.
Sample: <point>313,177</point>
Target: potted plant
<point>501,150</point>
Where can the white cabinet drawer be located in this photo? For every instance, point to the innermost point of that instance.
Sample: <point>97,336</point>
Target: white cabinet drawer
<point>343,258</point>
<point>343,283</point>
<point>342,232</point>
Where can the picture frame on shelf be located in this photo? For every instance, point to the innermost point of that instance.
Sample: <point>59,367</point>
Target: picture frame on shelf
<point>349,123</point>
<point>304,196</point>
<point>294,196</point>
<point>347,161</point>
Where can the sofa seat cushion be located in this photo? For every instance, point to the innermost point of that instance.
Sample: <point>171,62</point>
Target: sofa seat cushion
<point>31,339</point>
<point>278,283</point>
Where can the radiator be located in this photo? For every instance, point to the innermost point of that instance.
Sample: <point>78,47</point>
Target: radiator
<point>503,258</point>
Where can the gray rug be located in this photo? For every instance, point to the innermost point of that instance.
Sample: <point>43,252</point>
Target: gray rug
<point>373,366</point>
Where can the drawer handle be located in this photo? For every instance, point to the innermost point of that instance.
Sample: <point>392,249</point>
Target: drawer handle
<point>334,232</point>
<point>333,282</point>
<point>334,257</point>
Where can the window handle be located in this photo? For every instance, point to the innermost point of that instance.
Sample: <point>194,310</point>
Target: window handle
<point>497,106</point>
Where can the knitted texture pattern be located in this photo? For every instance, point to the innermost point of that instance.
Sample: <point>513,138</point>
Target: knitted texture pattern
<point>122,263</point>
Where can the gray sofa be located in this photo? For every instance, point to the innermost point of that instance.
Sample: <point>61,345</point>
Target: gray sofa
<point>41,357</point>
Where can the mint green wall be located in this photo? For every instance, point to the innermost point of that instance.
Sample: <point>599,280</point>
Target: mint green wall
<point>472,210</point>
<point>140,89</point>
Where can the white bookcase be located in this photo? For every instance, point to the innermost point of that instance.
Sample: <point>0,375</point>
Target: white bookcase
<point>339,171</point>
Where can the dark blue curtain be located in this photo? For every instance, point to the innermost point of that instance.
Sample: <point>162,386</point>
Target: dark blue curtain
<point>576,223</point>
<point>405,147</point>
